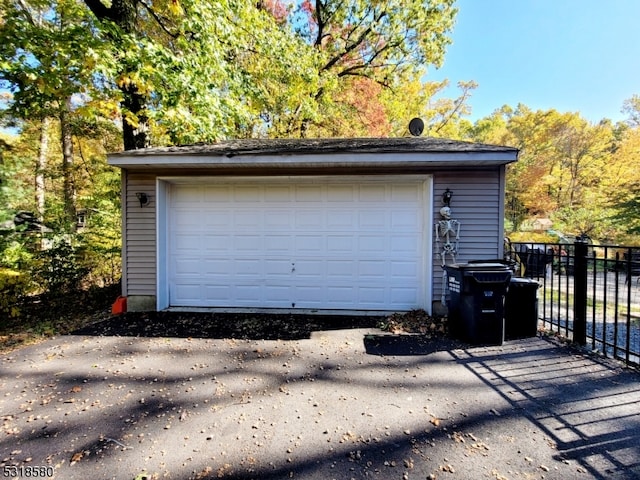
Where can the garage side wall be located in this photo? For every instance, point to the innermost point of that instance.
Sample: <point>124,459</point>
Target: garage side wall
<point>477,203</point>
<point>139,248</point>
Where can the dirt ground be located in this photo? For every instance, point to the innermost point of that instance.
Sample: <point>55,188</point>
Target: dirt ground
<point>179,396</point>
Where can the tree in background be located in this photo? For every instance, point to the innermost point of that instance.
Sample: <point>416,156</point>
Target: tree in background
<point>193,71</point>
<point>622,178</point>
<point>631,107</point>
<point>189,71</point>
<point>47,59</point>
<point>49,55</point>
<point>575,172</point>
<point>366,48</point>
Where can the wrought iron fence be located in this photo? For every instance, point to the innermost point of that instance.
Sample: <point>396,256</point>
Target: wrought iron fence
<point>589,293</point>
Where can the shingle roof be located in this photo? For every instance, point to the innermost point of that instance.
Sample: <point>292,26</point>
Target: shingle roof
<point>317,155</point>
<point>230,148</point>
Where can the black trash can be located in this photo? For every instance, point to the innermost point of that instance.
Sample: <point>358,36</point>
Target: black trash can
<point>521,309</point>
<point>476,301</point>
<point>535,262</point>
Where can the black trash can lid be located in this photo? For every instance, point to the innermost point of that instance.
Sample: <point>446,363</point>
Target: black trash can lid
<point>523,282</point>
<point>479,266</point>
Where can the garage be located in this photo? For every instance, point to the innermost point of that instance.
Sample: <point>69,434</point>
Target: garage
<point>313,224</point>
<point>304,243</point>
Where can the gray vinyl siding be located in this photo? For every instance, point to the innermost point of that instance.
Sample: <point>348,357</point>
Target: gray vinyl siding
<point>140,236</point>
<point>478,205</point>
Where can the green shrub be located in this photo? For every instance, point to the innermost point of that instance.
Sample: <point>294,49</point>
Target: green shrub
<point>13,287</point>
<point>59,269</point>
<point>532,237</point>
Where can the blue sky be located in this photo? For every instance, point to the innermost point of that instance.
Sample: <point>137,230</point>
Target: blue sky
<point>570,55</point>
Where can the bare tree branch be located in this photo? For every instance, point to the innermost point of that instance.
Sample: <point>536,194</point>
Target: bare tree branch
<point>159,20</point>
<point>320,20</point>
<point>28,13</point>
<point>349,48</point>
<point>459,102</point>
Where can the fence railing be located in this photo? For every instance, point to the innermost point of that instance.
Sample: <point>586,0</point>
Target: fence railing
<point>590,294</point>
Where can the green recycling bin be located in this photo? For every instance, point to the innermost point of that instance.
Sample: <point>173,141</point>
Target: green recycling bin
<point>521,309</point>
<point>476,301</point>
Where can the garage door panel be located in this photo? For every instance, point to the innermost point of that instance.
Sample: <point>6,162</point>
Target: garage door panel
<point>372,220</point>
<point>310,219</point>
<point>310,267</point>
<point>189,266</point>
<point>340,244</point>
<point>278,244</point>
<point>372,193</point>
<point>248,220</point>
<point>377,269</point>
<point>185,242</point>
<point>243,194</point>
<point>187,291</point>
<point>247,243</point>
<point>340,269</point>
<point>185,194</point>
<point>407,245</point>
<point>278,193</point>
<point>277,295</point>
<point>213,219</point>
<point>372,243</point>
<point>340,193</point>
<point>312,244</point>
<point>403,269</point>
<point>323,245</point>
<point>274,267</point>
<point>372,296</point>
<point>277,220</point>
<point>218,294</point>
<point>216,243</point>
<point>212,267</point>
<point>247,267</point>
<point>342,295</point>
<point>405,220</point>
<point>309,296</point>
<point>248,293</point>
<point>215,193</point>
<point>309,193</point>
<point>409,193</point>
<point>402,296</point>
<point>185,219</point>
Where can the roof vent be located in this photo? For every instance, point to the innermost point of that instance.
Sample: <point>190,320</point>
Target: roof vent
<point>416,127</point>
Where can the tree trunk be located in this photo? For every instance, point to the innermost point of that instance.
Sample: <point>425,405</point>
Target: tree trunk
<point>134,137</point>
<point>41,164</point>
<point>123,13</point>
<point>67,169</point>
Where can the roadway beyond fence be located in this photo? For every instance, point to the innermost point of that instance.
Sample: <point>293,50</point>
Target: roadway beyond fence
<point>589,293</point>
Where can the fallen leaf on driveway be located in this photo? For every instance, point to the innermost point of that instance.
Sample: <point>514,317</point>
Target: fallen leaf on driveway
<point>76,457</point>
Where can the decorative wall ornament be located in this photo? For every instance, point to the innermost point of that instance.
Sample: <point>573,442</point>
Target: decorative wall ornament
<point>447,238</point>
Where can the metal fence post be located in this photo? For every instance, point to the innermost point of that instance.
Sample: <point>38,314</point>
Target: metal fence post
<point>580,293</point>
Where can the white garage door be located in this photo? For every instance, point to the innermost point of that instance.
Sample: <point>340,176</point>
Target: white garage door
<point>298,243</point>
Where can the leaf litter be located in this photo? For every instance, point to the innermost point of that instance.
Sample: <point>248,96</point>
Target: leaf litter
<point>257,364</point>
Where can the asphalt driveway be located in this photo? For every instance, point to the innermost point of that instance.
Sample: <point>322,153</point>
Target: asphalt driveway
<point>336,398</point>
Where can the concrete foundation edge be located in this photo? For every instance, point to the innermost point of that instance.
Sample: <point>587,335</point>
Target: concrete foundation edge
<point>141,303</point>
